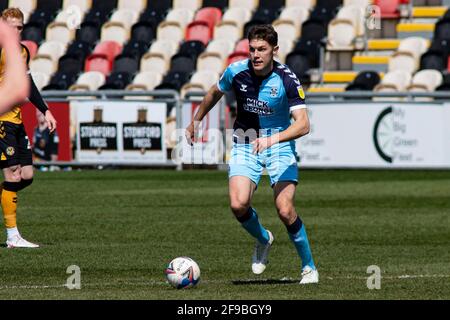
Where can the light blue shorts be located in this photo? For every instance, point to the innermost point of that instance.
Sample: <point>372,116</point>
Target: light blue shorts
<point>279,161</point>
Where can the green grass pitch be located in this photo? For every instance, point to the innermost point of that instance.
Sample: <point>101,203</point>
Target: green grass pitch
<point>123,227</point>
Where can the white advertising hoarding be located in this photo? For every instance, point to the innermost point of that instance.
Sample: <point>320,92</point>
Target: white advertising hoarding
<point>120,132</point>
<point>376,135</point>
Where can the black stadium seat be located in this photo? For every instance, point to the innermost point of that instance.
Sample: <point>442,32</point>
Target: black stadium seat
<point>152,17</point>
<point>33,32</point>
<point>159,5</point>
<point>136,49</point>
<point>105,6</point>
<point>442,29</point>
<point>117,81</point>
<point>325,14</point>
<point>266,15</point>
<point>314,29</point>
<point>174,80</point>
<point>192,48</point>
<point>143,32</point>
<point>221,4</point>
<point>309,48</point>
<point>89,32</point>
<point>433,59</point>
<point>49,5</point>
<point>96,17</point>
<point>126,64</point>
<point>365,80</point>
<point>42,17</point>
<point>3,4</point>
<point>182,63</point>
<point>70,63</point>
<point>61,81</point>
<point>299,64</point>
<point>274,5</point>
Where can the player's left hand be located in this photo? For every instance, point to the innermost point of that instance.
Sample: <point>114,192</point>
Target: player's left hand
<point>261,144</point>
<point>51,121</point>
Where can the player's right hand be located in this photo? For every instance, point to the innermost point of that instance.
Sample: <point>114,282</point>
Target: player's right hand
<point>190,133</point>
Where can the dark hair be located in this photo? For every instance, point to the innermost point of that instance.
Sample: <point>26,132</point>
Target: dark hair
<point>264,32</point>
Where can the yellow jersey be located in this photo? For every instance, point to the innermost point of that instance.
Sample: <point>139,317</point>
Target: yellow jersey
<point>15,115</point>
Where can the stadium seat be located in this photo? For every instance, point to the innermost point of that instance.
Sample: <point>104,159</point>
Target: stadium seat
<point>155,62</point>
<point>299,64</point>
<point>126,63</point>
<point>96,17</point>
<point>223,47</point>
<point>166,47</point>
<point>220,4</point>
<point>117,81</point>
<point>192,48</point>
<point>210,15</point>
<point>360,3</point>
<point>285,47</point>
<point>395,81</point>
<point>193,5</point>
<point>182,63</point>
<point>228,30</point>
<point>210,61</point>
<point>145,80</point>
<point>198,30</point>
<point>426,81</point>
<point>109,49</point>
<point>152,17</point>
<point>286,29</point>
<point>297,15</point>
<point>388,8</point>
<point>88,32</point>
<point>135,5</point>
<point>40,79</point>
<point>311,49</point>
<point>313,29</point>
<point>242,45</point>
<point>173,80</point>
<point>127,17</point>
<point>3,4</point>
<point>84,5</point>
<point>274,5</point>
<point>89,81</point>
<point>433,59</point>
<point>356,15</point>
<point>323,13</point>
<point>42,17</point>
<point>182,16</point>
<point>105,6</point>
<point>33,32</point>
<point>61,81</point>
<point>307,4</point>
<point>238,15</point>
<point>52,5</point>
<point>31,46</point>
<point>245,4</point>
<point>170,30</point>
<point>102,57</point>
<point>115,31</point>
<point>442,29</point>
<point>135,49</point>
<point>59,31</point>
<point>69,63</point>
<point>205,78</point>
<point>265,15</point>
<point>47,56</point>
<point>341,35</point>
<point>143,32</point>
<point>365,80</point>
<point>236,56</point>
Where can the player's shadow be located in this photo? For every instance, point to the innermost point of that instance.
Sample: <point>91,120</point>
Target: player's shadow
<point>263,281</point>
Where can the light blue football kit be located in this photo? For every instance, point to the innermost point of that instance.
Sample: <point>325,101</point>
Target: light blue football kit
<point>264,105</point>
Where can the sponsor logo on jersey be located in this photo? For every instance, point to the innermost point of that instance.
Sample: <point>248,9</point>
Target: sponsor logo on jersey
<point>257,106</point>
<point>10,151</point>
<point>273,92</point>
<point>301,93</point>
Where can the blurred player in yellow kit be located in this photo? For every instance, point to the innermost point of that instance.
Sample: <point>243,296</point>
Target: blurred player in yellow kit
<point>15,150</point>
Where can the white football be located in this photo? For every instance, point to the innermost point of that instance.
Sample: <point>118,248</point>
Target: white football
<point>183,272</point>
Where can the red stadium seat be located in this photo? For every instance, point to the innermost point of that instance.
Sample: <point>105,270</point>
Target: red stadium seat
<point>98,63</point>
<point>210,15</point>
<point>198,30</point>
<point>31,46</point>
<point>389,8</point>
<point>108,48</point>
<point>102,57</point>
<point>242,46</point>
<point>237,56</point>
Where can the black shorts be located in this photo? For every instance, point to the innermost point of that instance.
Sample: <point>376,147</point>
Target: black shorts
<point>15,146</point>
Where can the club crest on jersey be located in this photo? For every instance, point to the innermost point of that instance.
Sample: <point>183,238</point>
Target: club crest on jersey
<point>301,93</point>
<point>10,151</point>
<point>273,92</point>
<point>243,88</point>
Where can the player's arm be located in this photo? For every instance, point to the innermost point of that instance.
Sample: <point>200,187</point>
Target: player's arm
<point>36,99</point>
<point>15,87</point>
<point>208,102</point>
<point>297,129</point>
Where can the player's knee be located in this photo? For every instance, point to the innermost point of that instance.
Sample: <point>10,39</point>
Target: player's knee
<point>239,208</point>
<point>286,213</point>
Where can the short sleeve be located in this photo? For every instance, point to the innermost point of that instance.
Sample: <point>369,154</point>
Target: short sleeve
<point>295,93</point>
<point>226,80</point>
